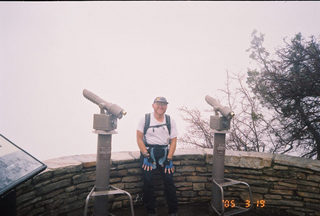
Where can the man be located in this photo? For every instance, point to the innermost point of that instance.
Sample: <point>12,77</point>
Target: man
<point>157,138</point>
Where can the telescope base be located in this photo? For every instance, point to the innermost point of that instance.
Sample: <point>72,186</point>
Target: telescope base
<point>237,209</point>
<point>112,191</point>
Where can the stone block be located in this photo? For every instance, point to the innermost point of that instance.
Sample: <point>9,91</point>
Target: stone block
<point>52,194</point>
<point>135,171</point>
<point>85,185</point>
<point>300,175</point>
<point>184,188</point>
<point>188,194</point>
<point>89,164</point>
<point>198,186</point>
<point>131,179</point>
<point>179,178</point>
<point>133,185</point>
<point>183,184</point>
<point>205,193</point>
<point>243,171</point>
<point>84,177</point>
<point>262,190</point>
<point>25,197</point>
<point>197,179</point>
<point>315,178</point>
<point>192,162</point>
<point>209,186</point>
<point>284,203</point>
<point>303,182</point>
<point>43,176</point>
<point>128,165</point>
<point>176,163</point>
<point>54,186</point>
<point>278,167</point>
<point>70,189</point>
<point>43,203</point>
<point>309,195</point>
<point>119,173</point>
<point>255,182</point>
<point>119,185</point>
<point>283,185</point>
<point>115,180</point>
<point>272,197</point>
<point>185,169</point>
<point>312,200</point>
<point>202,169</point>
<point>281,192</point>
<point>67,169</point>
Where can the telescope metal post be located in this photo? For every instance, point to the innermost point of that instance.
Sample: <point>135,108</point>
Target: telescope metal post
<point>218,168</point>
<point>102,173</point>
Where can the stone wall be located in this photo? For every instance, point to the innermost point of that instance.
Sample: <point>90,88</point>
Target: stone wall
<point>289,184</point>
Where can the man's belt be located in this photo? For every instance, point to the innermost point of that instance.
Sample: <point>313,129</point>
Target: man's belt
<point>156,146</point>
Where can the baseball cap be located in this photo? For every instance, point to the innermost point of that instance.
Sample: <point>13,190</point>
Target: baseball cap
<point>161,100</point>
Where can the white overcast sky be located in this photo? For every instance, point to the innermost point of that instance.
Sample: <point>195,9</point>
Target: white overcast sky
<point>127,53</point>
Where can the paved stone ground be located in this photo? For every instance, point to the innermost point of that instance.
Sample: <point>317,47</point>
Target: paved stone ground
<point>199,209</point>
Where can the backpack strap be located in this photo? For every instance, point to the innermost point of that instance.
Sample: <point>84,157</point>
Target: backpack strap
<point>168,123</point>
<point>146,123</point>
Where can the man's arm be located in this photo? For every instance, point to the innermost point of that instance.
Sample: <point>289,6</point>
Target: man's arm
<point>172,148</point>
<point>140,142</point>
<point>169,166</point>
<point>146,161</point>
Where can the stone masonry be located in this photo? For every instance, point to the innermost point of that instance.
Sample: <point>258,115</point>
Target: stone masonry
<point>289,184</point>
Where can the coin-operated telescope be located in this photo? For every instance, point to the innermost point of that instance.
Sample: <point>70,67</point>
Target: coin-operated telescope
<point>104,124</point>
<point>217,122</point>
<point>220,126</point>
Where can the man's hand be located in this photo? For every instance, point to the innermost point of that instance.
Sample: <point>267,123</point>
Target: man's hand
<point>147,162</point>
<point>168,166</point>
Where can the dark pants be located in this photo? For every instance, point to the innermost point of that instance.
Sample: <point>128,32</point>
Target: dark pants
<point>169,188</point>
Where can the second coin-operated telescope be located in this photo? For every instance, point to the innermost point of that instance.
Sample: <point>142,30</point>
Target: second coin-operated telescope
<point>220,126</point>
<point>216,122</point>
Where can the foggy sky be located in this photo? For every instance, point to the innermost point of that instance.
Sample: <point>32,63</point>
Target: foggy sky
<point>127,53</point>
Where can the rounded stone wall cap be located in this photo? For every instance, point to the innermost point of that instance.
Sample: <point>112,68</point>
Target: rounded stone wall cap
<point>297,162</point>
<point>255,160</point>
<point>121,156</point>
<point>135,154</point>
<point>189,151</point>
<point>249,154</point>
<point>69,161</point>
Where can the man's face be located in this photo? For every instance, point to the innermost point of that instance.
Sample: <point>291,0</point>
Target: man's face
<point>159,108</point>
